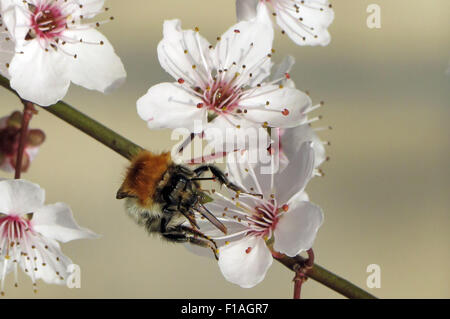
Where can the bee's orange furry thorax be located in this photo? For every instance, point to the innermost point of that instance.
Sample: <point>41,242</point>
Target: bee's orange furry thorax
<point>144,174</point>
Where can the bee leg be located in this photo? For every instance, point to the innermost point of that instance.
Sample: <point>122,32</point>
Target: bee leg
<point>218,175</point>
<point>205,238</point>
<point>198,233</point>
<point>221,178</point>
<point>190,217</point>
<point>171,210</point>
<point>183,230</point>
<point>181,237</point>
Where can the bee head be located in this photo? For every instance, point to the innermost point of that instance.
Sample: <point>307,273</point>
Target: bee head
<point>121,194</point>
<point>143,175</point>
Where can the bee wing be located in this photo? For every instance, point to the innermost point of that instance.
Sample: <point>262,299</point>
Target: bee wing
<point>211,218</point>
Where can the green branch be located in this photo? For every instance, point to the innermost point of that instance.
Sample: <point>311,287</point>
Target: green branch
<point>94,129</point>
<point>84,123</point>
<point>128,149</point>
<point>326,278</point>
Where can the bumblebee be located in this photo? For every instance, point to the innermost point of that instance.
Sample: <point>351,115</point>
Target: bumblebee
<point>161,195</point>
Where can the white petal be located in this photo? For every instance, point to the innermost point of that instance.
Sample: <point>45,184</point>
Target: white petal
<point>275,106</point>
<point>18,197</point>
<point>279,71</point>
<point>47,261</point>
<point>256,168</point>
<point>56,221</point>
<point>299,197</point>
<point>97,66</point>
<point>297,228</point>
<point>237,170</point>
<point>293,138</point>
<point>247,43</point>
<point>38,76</point>
<point>315,15</point>
<point>181,50</point>
<point>168,105</point>
<point>253,174</point>
<point>227,133</point>
<point>14,18</point>
<point>87,8</point>
<point>246,9</point>
<point>294,178</point>
<point>210,230</point>
<point>283,160</point>
<point>245,262</point>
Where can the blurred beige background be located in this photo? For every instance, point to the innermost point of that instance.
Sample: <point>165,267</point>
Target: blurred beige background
<point>386,189</point>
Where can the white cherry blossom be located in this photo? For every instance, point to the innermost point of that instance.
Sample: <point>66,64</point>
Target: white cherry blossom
<point>30,232</point>
<point>289,140</point>
<point>221,86</point>
<point>304,21</point>
<point>283,217</point>
<point>54,46</point>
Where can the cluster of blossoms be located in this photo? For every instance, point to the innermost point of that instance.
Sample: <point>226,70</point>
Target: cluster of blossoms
<point>51,45</point>
<point>44,46</point>
<point>231,86</point>
<point>30,232</point>
<point>227,86</point>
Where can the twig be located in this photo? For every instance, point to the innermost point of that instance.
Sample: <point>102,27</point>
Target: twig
<point>91,127</point>
<point>300,273</point>
<point>94,129</point>
<point>28,110</point>
<point>326,278</point>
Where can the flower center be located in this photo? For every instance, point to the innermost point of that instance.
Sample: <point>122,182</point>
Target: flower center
<point>13,229</point>
<point>264,220</point>
<point>222,97</point>
<point>21,246</point>
<point>47,21</point>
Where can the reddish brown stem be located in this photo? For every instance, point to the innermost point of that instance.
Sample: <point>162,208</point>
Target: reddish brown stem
<point>298,289</point>
<point>310,261</point>
<point>28,112</point>
<point>298,282</point>
<point>300,276</point>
